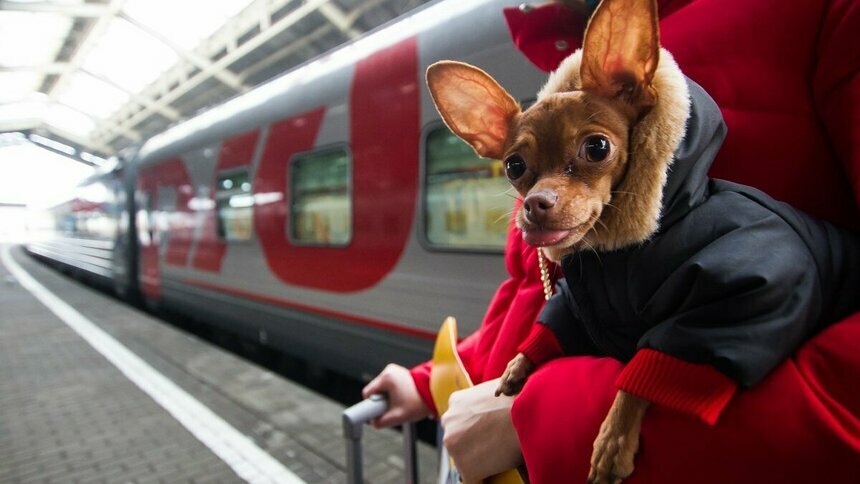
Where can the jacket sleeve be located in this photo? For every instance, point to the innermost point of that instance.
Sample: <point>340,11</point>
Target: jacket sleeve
<point>541,345</point>
<point>805,411</point>
<point>836,84</point>
<point>421,373</point>
<point>470,348</point>
<point>559,318</point>
<point>505,309</point>
<point>691,389</point>
<point>739,305</point>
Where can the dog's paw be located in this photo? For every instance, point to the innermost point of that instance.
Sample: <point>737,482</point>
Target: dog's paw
<point>618,440</point>
<point>612,459</point>
<point>515,375</point>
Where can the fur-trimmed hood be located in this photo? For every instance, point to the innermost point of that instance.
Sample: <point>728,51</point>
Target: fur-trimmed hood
<point>671,150</point>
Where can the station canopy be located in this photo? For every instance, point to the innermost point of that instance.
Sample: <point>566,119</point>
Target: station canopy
<point>93,78</point>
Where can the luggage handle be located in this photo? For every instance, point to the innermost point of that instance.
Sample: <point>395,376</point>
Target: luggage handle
<point>354,419</point>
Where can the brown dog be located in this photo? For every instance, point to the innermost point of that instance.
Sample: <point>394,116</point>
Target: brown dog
<point>566,155</point>
<point>664,268</point>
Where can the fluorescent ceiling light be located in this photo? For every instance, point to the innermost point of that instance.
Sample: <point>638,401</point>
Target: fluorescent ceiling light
<point>56,145</point>
<point>93,159</point>
<point>9,139</point>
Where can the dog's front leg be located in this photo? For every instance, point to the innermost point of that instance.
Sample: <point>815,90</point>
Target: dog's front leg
<point>618,440</point>
<point>515,375</point>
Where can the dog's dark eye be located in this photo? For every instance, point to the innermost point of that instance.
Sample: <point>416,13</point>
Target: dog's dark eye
<point>515,166</point>
<point>596,148</point>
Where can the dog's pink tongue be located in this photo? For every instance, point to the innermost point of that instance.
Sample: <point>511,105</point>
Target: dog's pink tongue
<point>543,238</point>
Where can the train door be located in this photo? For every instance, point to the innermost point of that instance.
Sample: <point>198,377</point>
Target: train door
<point>120,218</point>
<point>148,240</point>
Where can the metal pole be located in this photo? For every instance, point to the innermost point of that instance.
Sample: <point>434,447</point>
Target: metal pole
<point>409,453</point>
<point>354,419</point>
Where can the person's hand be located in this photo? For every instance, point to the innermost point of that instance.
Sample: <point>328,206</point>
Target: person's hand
<point>479,433</point>
<point>404,402</point>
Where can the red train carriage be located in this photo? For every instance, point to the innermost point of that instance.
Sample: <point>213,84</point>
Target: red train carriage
<point>328,213</point>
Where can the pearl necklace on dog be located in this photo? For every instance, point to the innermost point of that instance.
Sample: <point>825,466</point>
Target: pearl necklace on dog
<point>544,275</point>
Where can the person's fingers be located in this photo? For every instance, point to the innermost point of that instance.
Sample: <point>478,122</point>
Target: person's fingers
<point>389,419</point>
<point>404,401</point>
<point>443,420</point>
<point>377,385</point>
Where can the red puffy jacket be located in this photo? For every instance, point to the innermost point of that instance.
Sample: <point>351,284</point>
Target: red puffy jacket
<point>787,79</point>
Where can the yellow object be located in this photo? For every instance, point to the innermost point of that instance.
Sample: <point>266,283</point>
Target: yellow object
<point>449,375</point>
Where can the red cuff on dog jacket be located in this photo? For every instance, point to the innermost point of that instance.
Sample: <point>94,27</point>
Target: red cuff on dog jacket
<point>541,345</point>
<point>697,390</point>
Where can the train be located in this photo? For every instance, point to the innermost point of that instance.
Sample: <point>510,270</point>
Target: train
<point>328,213</point>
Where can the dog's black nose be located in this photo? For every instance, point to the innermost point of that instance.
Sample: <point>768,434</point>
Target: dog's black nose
<point>538,204</point>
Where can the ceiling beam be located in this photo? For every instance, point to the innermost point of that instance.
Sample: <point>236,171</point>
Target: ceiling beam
<point>45,140</point>
<point>340,20</point>
<point>20,125</point>
<point>52,132</point>
<point>69,10</point>
<point>287,51</point>
<point>127,132</point>
<point>95,34</point>
<point>107,131</point>
<point>222,74</point>
<point>140,98</point>
<point>37,123</point>
<point>51,68</point>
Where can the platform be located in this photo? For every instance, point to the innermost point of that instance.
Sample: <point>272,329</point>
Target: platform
<point>132,399</point>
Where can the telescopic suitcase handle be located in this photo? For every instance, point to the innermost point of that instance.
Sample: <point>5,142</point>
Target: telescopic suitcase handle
<point>354,419</point>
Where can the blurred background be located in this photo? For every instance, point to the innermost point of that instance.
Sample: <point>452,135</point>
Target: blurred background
<point>83,85</point>
<point>84,80</point>
<point>34,177</point>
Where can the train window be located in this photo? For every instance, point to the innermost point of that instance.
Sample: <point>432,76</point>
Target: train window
<point>321,205</point>
<point>235,205</point>
<point>468,198</point>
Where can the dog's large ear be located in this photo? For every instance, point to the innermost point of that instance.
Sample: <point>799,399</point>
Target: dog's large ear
<point>621,50</point>
<point>473,106</point>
